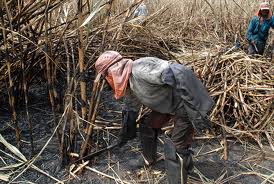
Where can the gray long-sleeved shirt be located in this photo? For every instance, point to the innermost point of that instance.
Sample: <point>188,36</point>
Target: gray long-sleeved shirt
<point>166,88</point>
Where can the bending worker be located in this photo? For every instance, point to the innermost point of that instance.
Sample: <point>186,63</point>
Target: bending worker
<point>169,90</point>
<point>258,29</point>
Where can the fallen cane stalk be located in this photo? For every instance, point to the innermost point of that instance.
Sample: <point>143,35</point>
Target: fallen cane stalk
<point>21,158</point>
<point>105,175</point>
<point>30,163</point>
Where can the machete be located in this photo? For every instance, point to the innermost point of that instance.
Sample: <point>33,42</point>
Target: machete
<point>256,49</point>
<point>96,153</point>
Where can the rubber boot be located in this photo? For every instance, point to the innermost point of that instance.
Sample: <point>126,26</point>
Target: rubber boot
<point>148,137</point>
<point>178,165</point>
<point>186,155</point>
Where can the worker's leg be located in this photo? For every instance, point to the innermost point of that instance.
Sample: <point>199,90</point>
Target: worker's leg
<point>260,47</point>
<point>182,134</point>
<point>178,165</point>
<point>177,154</point>
<point>251,49</point>
<point>149,127</point>
<point>148,137</point>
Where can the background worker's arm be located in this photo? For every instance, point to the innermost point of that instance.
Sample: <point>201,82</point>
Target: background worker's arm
<point>272,39</point>
<point>251,37</point>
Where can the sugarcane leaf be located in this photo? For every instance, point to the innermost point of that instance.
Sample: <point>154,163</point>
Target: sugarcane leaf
<point>12,148</point>
<point>97,8</point>
<point>9,167</point>
<point>5,177</point>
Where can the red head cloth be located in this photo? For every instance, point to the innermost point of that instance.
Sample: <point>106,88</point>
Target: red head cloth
<point>116,71</point>
<point>264,5</point>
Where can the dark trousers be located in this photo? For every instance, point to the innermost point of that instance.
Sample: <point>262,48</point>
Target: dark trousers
<point>259,49</point>
<point>183,131</point>
<point>177,168</point>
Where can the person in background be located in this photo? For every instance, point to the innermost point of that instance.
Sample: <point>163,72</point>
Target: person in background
<point>141,12</point>
<point>258,29</point>
<point>171,91</point>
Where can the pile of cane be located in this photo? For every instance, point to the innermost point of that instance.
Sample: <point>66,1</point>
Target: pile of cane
<point>243,90</point>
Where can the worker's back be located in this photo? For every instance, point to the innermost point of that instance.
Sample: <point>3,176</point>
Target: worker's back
<point>146,83</point>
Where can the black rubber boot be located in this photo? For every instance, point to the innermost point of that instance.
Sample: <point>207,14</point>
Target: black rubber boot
<point>148,137</point>
<point>178,165</point>
<point>186,155</point>
<point>128,130</point>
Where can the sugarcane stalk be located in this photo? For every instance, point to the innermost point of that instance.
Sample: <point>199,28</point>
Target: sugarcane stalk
<point>63,145</point>
<point>25,87</point>
<point>81,61</point>
<point>223,118</point>
<point>96,85</point>
<point>68,61</point>
<point>110,3</point>
<point>48,68</point>
<point>73,124</point>
<point>68,136</point>
<point>91,126</point>
<point>55,93</point>
<point>27,107</point>
<point>8,62</point>
<point>53,68</point>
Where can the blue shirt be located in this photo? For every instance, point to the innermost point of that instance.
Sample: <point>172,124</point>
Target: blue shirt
<point>257,32</point>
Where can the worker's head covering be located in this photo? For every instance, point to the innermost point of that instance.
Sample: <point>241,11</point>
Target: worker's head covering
<point>265,5</point>
<point>116,71</point>
<point>107,59</point>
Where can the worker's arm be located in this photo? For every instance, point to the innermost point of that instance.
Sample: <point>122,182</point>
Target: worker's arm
<point>193,94</point>
<point>251,30</point>
<point>129,117</point>
<point>272,22</point>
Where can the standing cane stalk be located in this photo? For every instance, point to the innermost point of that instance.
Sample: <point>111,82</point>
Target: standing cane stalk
<point>93,117</point>
<point>10,86</point>
<point>81,61</point>
<point>48,68</point>
<point>25,85</point>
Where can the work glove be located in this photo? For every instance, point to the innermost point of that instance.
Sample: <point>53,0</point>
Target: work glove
<point>254,42</point>
<point>128,130</point>
<point>201,124</point>
<point>237,44</point>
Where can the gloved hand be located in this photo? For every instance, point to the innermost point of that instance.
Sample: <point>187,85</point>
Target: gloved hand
<point>237,45</point>
<point>201,124</point>
<point>128,130</point>
<point>254,42</point>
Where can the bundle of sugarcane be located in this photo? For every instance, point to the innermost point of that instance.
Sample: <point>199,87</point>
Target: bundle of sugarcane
<point>243,90</point>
